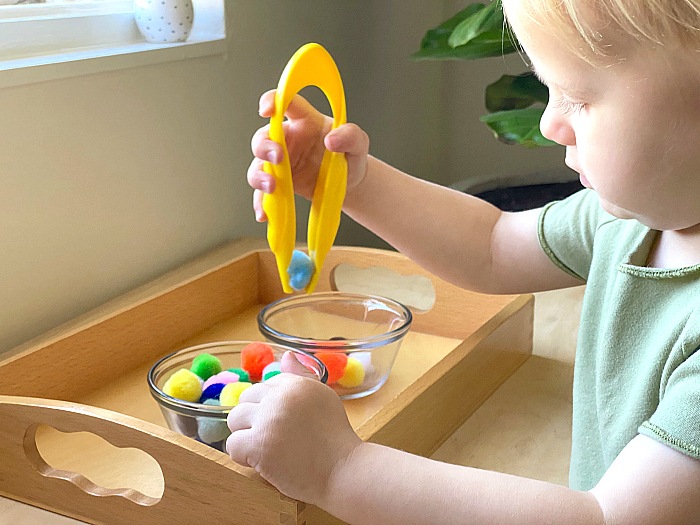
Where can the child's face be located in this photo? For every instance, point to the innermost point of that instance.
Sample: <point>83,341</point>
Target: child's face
<point>631,129</point>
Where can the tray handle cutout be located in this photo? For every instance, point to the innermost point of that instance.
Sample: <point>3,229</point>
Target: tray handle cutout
<point>414,291</point>
<point>192,471</point>
<point>100,469</point>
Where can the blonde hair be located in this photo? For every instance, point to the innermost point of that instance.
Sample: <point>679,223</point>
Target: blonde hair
<point>589,27</point>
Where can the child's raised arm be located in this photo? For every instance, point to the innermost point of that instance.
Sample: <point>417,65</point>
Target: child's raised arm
<point>456,236</point>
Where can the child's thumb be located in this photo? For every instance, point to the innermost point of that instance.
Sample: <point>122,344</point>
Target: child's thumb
<point>291,364</point>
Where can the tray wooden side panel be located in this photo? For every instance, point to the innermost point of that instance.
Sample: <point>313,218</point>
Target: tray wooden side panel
<point>80,361</point>
<point>196,476</point>
<point>457,312</point>
<point>451,391</point>
<point>125,338</point>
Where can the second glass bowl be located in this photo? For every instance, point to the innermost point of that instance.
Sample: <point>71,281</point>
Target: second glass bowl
<point>356,336</point>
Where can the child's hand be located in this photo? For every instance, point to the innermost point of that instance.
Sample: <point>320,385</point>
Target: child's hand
<point>293,431</point>
<point>307,133</point>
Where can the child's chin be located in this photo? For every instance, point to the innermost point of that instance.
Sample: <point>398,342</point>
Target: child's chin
<point>615,210</point>
<point>584,181</point>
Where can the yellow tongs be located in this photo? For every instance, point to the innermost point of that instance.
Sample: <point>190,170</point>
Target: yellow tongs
<point>311,65</point>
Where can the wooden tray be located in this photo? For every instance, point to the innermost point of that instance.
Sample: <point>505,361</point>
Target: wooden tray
<point>78,424</point>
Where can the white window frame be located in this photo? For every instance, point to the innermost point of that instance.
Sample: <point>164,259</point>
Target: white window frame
<point>40,42</point>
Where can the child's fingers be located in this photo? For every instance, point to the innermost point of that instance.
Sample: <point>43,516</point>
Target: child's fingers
<point>260,214</point>
<point>241,416</point>
<point>349,139</point>
<point>266,105</point>
<point>259,179</point>
<point>264,148</point>
<point>290,364</point>
<point>240,445</point>
<point>254,394</point>
<point>354,142</point>
<point>298,108</point>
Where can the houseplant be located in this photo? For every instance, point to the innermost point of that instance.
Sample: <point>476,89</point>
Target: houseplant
<point>515,102</point>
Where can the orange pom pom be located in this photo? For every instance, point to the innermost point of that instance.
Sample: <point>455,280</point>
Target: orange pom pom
<point>335,363</point>
<point>255,357</point>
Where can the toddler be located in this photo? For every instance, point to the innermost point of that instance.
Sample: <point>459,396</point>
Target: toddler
<point>624,85</point>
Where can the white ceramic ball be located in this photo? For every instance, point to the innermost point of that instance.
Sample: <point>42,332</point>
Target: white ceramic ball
<point>164,21</point>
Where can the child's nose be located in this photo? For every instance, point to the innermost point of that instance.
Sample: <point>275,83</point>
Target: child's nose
<point>556,127</point>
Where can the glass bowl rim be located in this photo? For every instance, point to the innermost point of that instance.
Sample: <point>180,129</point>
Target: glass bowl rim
<point>351,345</point>
<point>198,409</point>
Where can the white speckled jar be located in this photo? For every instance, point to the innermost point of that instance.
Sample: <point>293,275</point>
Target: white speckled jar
<point>164,21</point>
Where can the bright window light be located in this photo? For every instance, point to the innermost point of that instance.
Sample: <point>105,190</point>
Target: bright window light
<point>45,39</point>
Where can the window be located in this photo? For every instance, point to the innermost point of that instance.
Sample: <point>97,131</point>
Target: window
<point>44,39</point>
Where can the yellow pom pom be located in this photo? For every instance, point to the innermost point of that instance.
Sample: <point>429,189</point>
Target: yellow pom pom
<point>184,385</point>
<point>231,392</point>
<point>354,374</point>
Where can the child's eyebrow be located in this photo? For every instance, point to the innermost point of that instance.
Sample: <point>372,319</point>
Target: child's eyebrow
<point>566,87</point>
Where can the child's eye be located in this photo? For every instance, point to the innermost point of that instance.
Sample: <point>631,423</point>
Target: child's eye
<point>566,107</point>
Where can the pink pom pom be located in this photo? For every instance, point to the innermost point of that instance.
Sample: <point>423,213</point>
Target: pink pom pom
<point>223,378</point>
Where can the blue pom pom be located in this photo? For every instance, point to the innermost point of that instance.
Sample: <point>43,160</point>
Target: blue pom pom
<point>212,392</point>
<point>300,270</point>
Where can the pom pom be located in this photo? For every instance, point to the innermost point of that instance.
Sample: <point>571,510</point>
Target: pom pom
<point>255,357</point>
<point>354,374</point>
<point>183,385</point>
<point>335,363</point>
<point>231,392</point>
<point>206,365</point>
<point>271,370</point>
<point>242,374</point>
<point>224,377</point>
<point>365,358</point>
<point>271,374</point>
<point>274,366</point>
<point>212,392</point>
<point>300,270</point>
<point>212,430</point>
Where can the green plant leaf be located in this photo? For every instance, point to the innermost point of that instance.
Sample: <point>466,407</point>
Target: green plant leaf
<point>518,126</point>
<point>515,92</point>
<point>487,18</point>
<point>492,41</point>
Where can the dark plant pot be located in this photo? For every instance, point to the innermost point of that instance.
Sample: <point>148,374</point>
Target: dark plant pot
<point>519,198</point>
<point>524,192</point>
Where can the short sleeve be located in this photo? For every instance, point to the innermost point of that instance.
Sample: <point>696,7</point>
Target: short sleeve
<point>567,229</point>
<point>676,421</point>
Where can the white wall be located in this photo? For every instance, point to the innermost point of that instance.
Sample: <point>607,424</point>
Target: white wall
<point>111,179</point>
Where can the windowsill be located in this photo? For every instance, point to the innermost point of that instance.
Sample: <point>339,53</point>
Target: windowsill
<point>100,59</point>
<point>49,43</point>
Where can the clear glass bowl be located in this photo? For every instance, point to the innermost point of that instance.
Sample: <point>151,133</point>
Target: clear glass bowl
<point>207,423</point>
<point>367,328</point>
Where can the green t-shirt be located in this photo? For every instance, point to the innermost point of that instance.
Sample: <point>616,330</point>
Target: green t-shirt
<point>637,369</point>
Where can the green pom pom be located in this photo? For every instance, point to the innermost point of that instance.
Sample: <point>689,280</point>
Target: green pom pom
<point>270,374</point>
<point>206,365</point>
<point>242,374</point>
